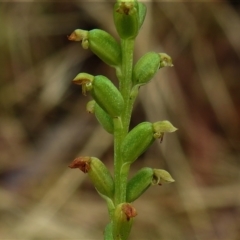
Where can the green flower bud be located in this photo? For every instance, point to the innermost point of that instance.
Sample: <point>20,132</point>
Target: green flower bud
<point>161,176</point>
<point>100,43</point>
<point>98,173</point>
<point>141,137</point>
<point>143,179</point>
<point>126,19</point>
<point>104,119</point>
<point>139,183</point>
<point>123,219</point>
<point>103,92</point>
<point>137,141</point>
<point>148,65</point>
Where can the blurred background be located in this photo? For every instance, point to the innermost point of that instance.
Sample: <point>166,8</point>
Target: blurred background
<point>44,125</point>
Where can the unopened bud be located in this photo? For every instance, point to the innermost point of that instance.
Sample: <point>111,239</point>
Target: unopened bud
<point>148,65</point>
<point>104,119</point>
<point>126,19</point>
<point>141,137</point>
<point>100,43</point>
<point>103,92</point>
<point>98,173</point>
<point>137,141</point>
<point>139,183</point>
<point>123,219</point>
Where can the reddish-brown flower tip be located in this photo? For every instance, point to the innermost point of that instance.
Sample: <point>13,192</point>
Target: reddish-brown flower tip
<point>129,211</point>
<point>72,36</point>
<point>83,163</point>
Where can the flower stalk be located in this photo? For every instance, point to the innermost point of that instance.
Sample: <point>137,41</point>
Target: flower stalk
<point>112,107</point>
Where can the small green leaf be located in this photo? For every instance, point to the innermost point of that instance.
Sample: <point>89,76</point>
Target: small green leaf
<point>142,10</point>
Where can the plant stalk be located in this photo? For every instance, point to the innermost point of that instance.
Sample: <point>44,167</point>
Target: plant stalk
<point>125,85</point>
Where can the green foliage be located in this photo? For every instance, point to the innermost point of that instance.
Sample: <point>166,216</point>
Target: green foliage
<point>112,107</point>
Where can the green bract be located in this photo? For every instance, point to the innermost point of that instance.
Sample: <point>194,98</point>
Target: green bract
<point>103,92</point>
<point>101,43</point>
<point>142,10</point>
<point>139,183</point>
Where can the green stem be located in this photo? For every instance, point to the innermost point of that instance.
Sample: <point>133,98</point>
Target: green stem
<point>125,85</point>
<point>126,81</point>
<point>108,232</point>
<point>117,159</point>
